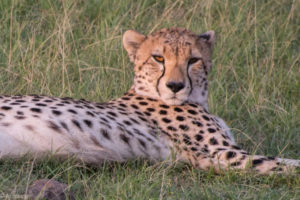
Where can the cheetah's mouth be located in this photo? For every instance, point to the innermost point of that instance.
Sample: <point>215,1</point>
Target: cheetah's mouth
<point>174,100</point>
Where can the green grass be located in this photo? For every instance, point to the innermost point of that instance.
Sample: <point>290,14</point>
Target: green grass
<point>73,48</point>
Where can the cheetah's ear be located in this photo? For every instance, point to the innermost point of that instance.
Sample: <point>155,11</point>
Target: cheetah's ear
<point>209,37</point>
<point>132,41</point>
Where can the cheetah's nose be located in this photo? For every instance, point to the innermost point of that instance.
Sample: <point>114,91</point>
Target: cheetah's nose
<point>175,86</point>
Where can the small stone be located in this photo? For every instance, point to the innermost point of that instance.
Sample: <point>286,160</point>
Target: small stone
<point>50,190</point>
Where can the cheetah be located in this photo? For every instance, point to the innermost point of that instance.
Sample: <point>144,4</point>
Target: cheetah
<point>164,112</point>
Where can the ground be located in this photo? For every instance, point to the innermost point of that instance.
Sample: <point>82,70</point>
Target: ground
<point>74,49</point>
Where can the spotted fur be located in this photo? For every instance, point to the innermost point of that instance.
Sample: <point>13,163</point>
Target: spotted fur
<point>165,111</point>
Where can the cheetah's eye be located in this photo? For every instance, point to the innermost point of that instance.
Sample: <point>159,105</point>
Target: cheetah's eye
<point>159,59</point>
<point>193,60</point>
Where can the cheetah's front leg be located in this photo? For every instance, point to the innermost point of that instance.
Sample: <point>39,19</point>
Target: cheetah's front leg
<point>225,159</point>
<point>214,150</point>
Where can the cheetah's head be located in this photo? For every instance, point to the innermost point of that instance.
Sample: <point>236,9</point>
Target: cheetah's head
<point>171,64</point>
